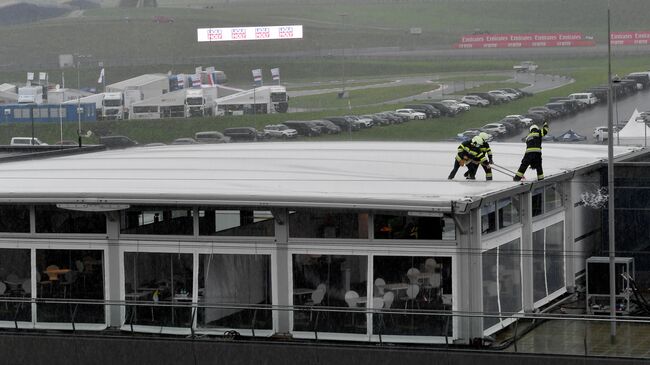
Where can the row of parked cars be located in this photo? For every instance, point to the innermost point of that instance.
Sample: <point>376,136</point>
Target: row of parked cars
<point>563,106</point>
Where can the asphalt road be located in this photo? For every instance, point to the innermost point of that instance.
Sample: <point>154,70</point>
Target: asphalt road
<point>585,122</point>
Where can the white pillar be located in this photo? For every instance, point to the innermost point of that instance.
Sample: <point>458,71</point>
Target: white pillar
<point>527,251</point>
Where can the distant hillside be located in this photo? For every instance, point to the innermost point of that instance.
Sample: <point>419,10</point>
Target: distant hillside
<point>20,13</point>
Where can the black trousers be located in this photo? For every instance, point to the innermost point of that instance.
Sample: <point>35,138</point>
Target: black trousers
<point>455,169</point>
<point>473,168</point>
<point>534,160</point>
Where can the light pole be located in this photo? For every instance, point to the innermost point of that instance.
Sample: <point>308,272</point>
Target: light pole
<point>343,15</point>
<point>31,117</point>
<point>79,57</point>
<point>610,185</point>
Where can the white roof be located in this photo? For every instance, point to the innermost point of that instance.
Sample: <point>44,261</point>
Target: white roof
<point>343,174</point>
<point>137,81</point>
<point>176,97</point>
<point>634,133</point>
<point>247,96</point>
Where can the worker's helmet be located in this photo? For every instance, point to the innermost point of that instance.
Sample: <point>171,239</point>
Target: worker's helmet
<point>477,141</point>
<point>484,136</point>
<point>534,127</point>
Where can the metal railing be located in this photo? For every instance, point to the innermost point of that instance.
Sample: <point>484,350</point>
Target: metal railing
<point>587,334</point>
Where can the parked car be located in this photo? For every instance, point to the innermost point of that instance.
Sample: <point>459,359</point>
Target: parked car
<point>178,141</point>
<point>412,114</point>
<point>392,117</point>
<point>363,122</point>
<point>602,133</point>
<point>430,111</point>
<point>211,137</point>
<point>327,127</point>
<point>506,97</point>
<point>461,106</point>
<point>280,131</point>
<point>537,117</point>
<point>511,126</point>
<point>489,97</point>
<point>551,114</point>
<point>523,93</point>
<point>519,120</point>
<point>304,129</point>
<point>509,90</point>
<point>243,134</point>
<point>27,141</point>
<point>588,98</point>
<point>496,129</point>
<point>474,100</point>
<point>117,141</point>
<point>444,109</point>
<point>559,107</point>
<point>376,119</point>
<point>471,133</point>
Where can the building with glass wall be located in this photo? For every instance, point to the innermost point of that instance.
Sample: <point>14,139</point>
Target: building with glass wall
<point>346,241</point>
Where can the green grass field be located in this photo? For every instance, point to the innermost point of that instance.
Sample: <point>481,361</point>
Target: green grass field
<point>361,97</point>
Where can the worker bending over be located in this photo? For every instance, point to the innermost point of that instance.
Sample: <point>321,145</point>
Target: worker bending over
<point>533,155</point>
<point>469,152</point>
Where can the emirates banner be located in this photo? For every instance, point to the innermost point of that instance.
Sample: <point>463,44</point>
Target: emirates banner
<point>630,38</point>
<point>525,40</point>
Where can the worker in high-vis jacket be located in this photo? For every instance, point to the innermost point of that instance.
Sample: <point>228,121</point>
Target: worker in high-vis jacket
<point>533,155</point>
<point>486,149</point>
<point>468,153</point>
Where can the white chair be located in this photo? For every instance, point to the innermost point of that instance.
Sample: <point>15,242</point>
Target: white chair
<point>433,284</point>
<point>27,287</point>
<point>351,299</point>
<point>69,279</point>
<point>3,290</point>
<point>316,299</point>
<point>411,294</point>
<point>413,274</point>
<point>388,299</point>
<point>430,265</point>
<point>12,282</point>
<point>380,284</point>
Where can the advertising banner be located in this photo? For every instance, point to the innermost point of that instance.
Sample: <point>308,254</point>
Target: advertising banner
<point>525,37</point>
<point>249,33</point>
<point>630,38</point>
<point>524,40</point>
<point>528,44</point>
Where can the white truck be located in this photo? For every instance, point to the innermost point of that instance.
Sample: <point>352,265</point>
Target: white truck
<point>200,102</point>
<point>525,66</point>
<point>113,106</point>
<point>30,95</point>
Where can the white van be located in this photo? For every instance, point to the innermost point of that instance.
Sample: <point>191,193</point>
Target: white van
<point>27,141</point>
<point>587,98</point>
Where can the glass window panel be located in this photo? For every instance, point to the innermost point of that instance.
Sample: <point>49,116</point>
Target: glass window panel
<point>14,218</point>
<point>396,226</point>
<point>242,280</point>
<point>510,294</point>
<point>488,218</point>
<point>158,220</point>
<point>490,288</point>
<point>50,219</point>
<point>555,257</point>
<point>321,223</point>
<point>412,282</point>
<point>331,281</point>
<point>509,211</point>
<point>154,279</point>
<point>71,275</point>
<point>538,202</point>
<point>236,222</point>
<point>539,275</point>
<point>552,198</point>
<point>15,277</point>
